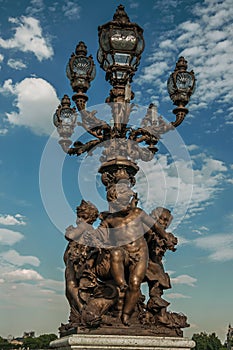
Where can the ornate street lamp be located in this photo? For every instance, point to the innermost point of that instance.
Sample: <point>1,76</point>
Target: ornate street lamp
<point>91,293</point>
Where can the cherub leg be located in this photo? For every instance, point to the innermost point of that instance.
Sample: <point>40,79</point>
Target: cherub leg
<point>137,274</point>
<point>118,269</point>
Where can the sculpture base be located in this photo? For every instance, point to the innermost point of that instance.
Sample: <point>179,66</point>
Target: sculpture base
<point>122,342</point>
<point>120,329</point>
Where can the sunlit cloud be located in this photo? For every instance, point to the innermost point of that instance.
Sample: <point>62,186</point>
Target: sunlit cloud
<point>10,220</point>
<point>36,101</point>
<point>57,286</point>
<point>22,275</point>
<point>3,131</point>
<point>28,37</point>
<point>71,10</point>
<point>177,296</point>
<point>13,257</point>
<point>35,7</point>
<point>219,246</point>
<point>184,279</point>
<point>201,230</point>
<point>186,188</point>
<point>133,4</point>
<point>16,64</point>
<point>207,43</point>
<point>9,237</point>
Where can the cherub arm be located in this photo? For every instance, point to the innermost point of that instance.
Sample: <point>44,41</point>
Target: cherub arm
<point>154,226</point>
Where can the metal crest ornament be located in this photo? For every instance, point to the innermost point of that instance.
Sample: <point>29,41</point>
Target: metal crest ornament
<point>106,263</point>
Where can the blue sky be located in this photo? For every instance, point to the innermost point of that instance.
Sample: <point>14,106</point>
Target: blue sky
<point>191,174</point>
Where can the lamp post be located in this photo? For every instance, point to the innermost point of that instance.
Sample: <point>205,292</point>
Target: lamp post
<point>121,44</point>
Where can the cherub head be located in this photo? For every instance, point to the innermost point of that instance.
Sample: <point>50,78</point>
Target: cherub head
<point>87,211</point>
<point>163,216</point>
<point>120,194</point>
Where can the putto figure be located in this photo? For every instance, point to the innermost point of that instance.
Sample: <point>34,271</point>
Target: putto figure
<point>127,225</point>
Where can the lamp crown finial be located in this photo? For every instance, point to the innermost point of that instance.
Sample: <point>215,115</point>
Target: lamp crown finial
<point>181,64</point>
<point>81,49</point>
<point>120,15</point>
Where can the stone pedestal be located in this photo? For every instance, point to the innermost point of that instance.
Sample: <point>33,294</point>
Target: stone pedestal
<point>121,342</point>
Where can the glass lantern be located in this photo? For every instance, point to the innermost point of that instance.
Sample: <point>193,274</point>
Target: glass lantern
<point>80,69</point>
<point>65,118</point>
<point>121,44</point>
<point>181,84</point>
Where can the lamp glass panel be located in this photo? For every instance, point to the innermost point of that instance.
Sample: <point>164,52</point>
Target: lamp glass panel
<point>109,58</point>
<point>81,66</point>
<point>134,62</point>
<point>100,56</point>
<point>170,85</point>
<point>56,120</point>
<point>105,65</point>
<point>140,45</point>
<point>67,117</point>
<point>122,58</point>
<point>68,72</point>
<point>119,74</point>
<point>184,81</point>
<point>104,40</point>
<point>123,39</point>
<point>93,73</point>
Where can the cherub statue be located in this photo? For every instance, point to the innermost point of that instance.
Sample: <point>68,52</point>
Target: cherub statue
<point>126,225</point>
<point>157,278</point>
<point>79,252</point>
<point>88,296</point>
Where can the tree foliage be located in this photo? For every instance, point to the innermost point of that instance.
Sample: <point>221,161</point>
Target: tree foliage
<point>41,342</point>
<point>206,341</point>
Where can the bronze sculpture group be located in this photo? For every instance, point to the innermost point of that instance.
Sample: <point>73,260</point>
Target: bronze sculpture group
<point>107,264</point>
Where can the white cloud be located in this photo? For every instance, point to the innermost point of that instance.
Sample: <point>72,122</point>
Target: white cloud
<point>206,42</point>
<point>192,148</point>
<point>134,5</point>
<point>13,257</point>
<point>7,87</point>
<point>71,10</point>
<point>1,57</point>
<point>177,296</point>
<point>9,220</point>
<point>22,275</point>
<point>36,6</point>
<point>182,240</point>
<point>16,64</point>
<point>52,284</point>
<point>3,131</point>
<point>201,230</point>
<point>36,101</point>
<point>219,246</point>
<point>185,187</point>
<point>28,38</point>
<point>9,237</point>
<point>184,279</point>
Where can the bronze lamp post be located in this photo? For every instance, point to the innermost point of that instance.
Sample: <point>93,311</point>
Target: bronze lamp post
<point>105,266</point>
